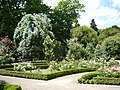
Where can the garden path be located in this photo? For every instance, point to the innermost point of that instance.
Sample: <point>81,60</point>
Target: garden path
<point>62,83</point>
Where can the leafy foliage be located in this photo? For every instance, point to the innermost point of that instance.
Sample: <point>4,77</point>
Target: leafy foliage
<point>4,86</point>
<point>7,50</point>
<point>63,16</point>
<point>75,50</point>
<point>21,67</point>
<point>73,64</point>
<point>52,48</point>
<point>30,34</point>
<point>105,33</point>
<point>112,46</point>
<point>85,35</point>
<point>11,12</point>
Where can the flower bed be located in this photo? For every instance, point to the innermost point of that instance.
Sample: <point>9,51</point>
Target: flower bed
<point>108,74</point>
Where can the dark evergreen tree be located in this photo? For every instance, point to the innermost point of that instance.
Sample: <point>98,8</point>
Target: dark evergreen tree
<point>94,26</point>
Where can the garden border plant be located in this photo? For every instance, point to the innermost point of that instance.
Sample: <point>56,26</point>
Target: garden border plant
<point>95,78</point>
<point>4,86</point>
<point>44,76</point>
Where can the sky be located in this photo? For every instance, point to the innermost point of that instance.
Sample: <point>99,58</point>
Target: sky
<point>106,13</point>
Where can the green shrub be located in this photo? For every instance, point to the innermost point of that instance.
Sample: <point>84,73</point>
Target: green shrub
<point>9,87</point>
<point>87,77</point>
<point>44,76</point>
<point>68,72</point>
<point>106,80</point>
<point>52,48</point>
<point>76,50</point>
<point>108,32</point>
<point>112,46</point>
<point>25,67</point>
<point>85,35</point>
<point>6,66</point>
<point>72,64</point>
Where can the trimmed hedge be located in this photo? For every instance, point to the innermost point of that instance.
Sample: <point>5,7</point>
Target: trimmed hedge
<point>9,87</point>
<point>94,78</point>
<point>87,77</point>
<point>6,66</point>
<point>106,80</point>
<point>44,76</point>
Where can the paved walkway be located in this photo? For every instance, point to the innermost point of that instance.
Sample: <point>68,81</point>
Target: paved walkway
<point>63,83</point>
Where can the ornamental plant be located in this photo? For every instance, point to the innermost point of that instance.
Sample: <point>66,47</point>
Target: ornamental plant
<point>76,50</point>
<point>52,48</point>
<point>73,64</point>
<point>112,46</point>
<point>85,35</point>
<point>21,67</point>
<point>7,50</point>
<point>29,35</point>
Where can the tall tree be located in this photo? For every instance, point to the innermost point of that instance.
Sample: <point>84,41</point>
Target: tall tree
<point>64,16</point>
<point>94,26</point>
<point>11,12</point>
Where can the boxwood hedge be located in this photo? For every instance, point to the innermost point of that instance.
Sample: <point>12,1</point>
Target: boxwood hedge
<point>44,76</point>
<point>94,78</point>
<point>9,87</point>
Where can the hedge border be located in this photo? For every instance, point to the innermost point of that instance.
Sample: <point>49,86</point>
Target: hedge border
<point>4,86</point>
<point>44,76</point>
<point>6,66</point>
<point>94,78</point>
<point>106,80</point>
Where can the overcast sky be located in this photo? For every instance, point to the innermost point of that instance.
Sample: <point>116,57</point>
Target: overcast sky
<point>105,12</point>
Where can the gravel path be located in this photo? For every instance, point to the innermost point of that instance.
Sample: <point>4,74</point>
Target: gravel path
<point>63,83</point>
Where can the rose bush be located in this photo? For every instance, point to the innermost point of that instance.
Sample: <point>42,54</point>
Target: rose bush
<point>7,50</point>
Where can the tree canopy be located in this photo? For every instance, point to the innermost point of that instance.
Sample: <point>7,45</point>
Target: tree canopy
<point>63,16</point>
<point>11,12</point>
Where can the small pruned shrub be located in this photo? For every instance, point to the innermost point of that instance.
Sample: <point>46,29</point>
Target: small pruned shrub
<point>85,78</point>
<point>9,87</point>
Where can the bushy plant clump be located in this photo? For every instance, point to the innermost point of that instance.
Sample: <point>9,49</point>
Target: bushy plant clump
<point>76,50</point>
<point>21,67</point>
<point>108,73</point>
<point>30,34</point>
<point>85,35</point>
<point>4,86</point>
<point>52,48</point>
<point>82,43</point>
<point>7,50</point>
<point>73,64</point>
<point>112,46</point>
<point>108,32</point>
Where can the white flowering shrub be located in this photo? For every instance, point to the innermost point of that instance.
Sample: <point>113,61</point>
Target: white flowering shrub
<point>52,48</point>
<point>21,67</point>
<point>73,64</point>
<point>30,34</point>
<point>49,46</point>
<point>75,50</point>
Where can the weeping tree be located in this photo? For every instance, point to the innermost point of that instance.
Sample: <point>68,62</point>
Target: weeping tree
<point>30,34</point>
<point>11,12</point>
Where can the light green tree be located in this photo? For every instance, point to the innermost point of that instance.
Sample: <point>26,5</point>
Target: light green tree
<point>30,34</point>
